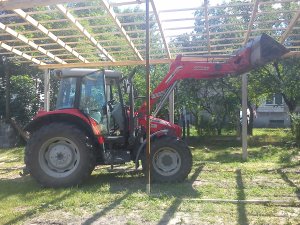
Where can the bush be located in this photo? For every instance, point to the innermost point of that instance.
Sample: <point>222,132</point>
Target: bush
<point>24,98</point>
<point>296,126</point>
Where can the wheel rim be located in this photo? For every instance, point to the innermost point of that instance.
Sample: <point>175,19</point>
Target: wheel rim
<point>166,161</point>
<point>59,157</point>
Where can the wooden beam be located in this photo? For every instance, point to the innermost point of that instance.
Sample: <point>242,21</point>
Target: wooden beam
<point>252,18</point>
<point>24,55</point>
<point>292,54</point>
<point>289,27</point>
<point>25,4</point>
<point>181,10</point>
<point>231,5</point>
<point>113,15</point>
<point>30,43</point>
<point>84,31</point>
<point>105,64</point>
<point>49,34</point>
<point>162,33</point>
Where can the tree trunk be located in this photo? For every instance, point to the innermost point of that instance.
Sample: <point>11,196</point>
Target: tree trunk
<point>291,104</point>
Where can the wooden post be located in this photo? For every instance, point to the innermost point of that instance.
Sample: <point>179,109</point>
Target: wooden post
<point>148,147</point>
<point>47,90</point>
<point>244,116</point>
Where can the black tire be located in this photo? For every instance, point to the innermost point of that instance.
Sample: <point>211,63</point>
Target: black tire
<point>171,160</point>
<point>59,155</point>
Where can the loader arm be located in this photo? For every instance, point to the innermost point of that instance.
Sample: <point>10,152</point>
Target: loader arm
<point>258,52</point>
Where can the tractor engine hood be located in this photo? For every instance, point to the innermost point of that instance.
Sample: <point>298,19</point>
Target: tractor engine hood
<point>160,124</point>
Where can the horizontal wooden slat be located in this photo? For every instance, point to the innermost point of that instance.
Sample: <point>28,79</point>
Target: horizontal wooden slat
<point>104,64</point>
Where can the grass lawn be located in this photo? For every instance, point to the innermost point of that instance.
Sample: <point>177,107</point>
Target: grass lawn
<point>271,173</point>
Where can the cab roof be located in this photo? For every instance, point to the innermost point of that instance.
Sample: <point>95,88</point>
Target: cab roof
<point>80,72</point>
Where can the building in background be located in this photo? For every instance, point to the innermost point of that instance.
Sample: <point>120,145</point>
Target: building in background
<point>272,113</point>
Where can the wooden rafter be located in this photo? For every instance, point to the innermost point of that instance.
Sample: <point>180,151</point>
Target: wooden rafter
<point>290,27</point>
<point>30,43</point>
<point>162,33</point>
<point>250,25</point>
<point>57,45</point>
<point>127,3</point>
<point>18,52</point>
<point>121,28</point>
<point>84,31</point>
<point>52,36</point>
<point>105,64</point>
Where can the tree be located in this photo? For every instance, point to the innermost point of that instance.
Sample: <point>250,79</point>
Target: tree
<point>25,97</point>
<point>282,77</point>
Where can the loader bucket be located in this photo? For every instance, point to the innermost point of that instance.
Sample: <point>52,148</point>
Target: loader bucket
<point>265,49</point>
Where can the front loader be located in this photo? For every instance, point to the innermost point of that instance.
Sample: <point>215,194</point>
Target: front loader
<point>91,124</point>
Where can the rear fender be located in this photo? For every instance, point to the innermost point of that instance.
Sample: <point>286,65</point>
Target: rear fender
<point>47,119</point>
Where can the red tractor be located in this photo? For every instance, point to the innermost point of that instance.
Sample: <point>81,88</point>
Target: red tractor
<point>92,125</point>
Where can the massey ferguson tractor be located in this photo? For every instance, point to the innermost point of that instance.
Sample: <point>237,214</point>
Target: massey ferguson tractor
<point>92,125</point>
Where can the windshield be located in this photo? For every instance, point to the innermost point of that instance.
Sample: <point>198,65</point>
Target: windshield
<point>92,99</point>
<point>66,95</point>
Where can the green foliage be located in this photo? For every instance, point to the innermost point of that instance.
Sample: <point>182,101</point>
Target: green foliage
<point>295,117</point>
<point>25,91</point>
<point>24,98</point>
<point>213,103</point>
<point>281,77</point>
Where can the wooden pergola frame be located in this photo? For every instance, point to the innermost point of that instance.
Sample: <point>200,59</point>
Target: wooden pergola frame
<point>48,48</point>
<point>47,41</point>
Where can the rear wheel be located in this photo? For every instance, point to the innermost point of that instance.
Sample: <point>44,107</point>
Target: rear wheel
<point>59,155</point>
<point>171,160</point>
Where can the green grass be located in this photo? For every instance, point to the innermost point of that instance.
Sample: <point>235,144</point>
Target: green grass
<point>272,172</point>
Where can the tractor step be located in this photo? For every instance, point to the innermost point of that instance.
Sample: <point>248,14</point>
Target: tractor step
<point>114,157</point>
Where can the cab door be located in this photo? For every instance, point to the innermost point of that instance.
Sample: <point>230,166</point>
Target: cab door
<point>93,99</point>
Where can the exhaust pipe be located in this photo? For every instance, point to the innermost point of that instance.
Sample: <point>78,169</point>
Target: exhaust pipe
<point>265,49</point>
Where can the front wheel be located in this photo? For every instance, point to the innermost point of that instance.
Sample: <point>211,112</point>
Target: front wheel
<point>171,160</point>
<point>58,155</point>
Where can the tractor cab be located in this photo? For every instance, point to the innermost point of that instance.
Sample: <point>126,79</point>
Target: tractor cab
<point>96,93</point>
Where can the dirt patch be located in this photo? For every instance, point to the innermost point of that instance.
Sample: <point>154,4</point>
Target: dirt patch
<point>58,217</point>
<point>116,217</point>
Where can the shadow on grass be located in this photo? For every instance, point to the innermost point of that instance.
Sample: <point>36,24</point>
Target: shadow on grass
<point>118,181</point>
<point>285,177</point>
<point>241,207</point>
<point>134,181</point>
<point>38,209</point>
<point>189,191</point>
<point>105,210</point>
<point>17,186</point>
<point>287,156</point>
